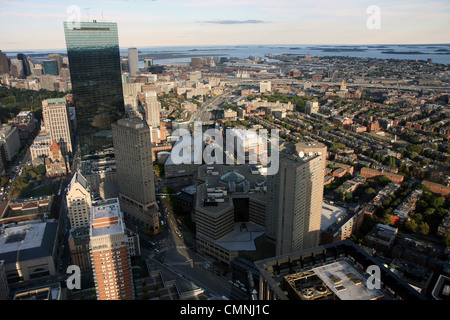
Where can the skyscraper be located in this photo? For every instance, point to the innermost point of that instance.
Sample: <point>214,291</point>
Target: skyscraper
<point>57,57</point>
<point>78,199</point>
<point>109,254</point>
<point>152,109</point>
<point>133,62</point>
<point>134,165</point>
<point>94,59</point>
<point>50,67</point>
<point>4,63</point>
<point>55,113</point>
<point>26,70</point>
<point>294,198</point>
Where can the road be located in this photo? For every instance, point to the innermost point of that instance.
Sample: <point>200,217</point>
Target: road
<point>179,254</point>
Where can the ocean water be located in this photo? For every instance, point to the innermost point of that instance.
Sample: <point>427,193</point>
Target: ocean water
<point>439,53</point>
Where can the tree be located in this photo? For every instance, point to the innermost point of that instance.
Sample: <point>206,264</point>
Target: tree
<point>424,228</point>
<point>437,202</point>
<point>411,225</point>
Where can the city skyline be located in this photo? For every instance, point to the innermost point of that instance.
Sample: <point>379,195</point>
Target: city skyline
<point>198,22</point>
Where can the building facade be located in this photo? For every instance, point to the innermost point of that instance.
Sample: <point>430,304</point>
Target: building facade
<point>78,199</point>
<point>133,62</point>
<point>109,254</point>
<point>55,113</point>
<point>95,73</point>
<point>134,166</point>
<point>294,198</point>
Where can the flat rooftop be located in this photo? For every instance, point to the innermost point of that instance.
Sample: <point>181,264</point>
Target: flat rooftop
<point>346,281</point>
<point>102,209</point>
<point>28,241</point>
<point>214,174</point>
<point>22,237</point>
<point>242,238</point>
<point>330,215</point>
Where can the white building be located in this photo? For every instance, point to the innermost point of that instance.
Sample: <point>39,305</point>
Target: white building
<point>78,199</point>
<point>265,86</point>
<point>152,109</point>
<point>55,114</point>
<point>9,137</point>
<point>133,62</point>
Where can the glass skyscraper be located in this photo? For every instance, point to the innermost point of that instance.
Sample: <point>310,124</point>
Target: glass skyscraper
<point>94,63</point>
<point>50,67</point>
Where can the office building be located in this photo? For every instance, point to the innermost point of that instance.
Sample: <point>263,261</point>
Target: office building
<point>50,67</point>
<point>294,198</point>
<point>55,113</point>
<point>230,210</point>
<point>331,272</point>
<point>78,199</point>
<point>265,86</point>
<point>134,165</point>
<point>312,107</point>
<point>30,251</point>
<point>26,70</point>
<point>5,63</point>
<point>79,248</point>
<point>152,108</point>
<point>94,58</point>
<point>10,139</point>
<point>109,254</point>
<point>133,61</point>
<point>57,57</point>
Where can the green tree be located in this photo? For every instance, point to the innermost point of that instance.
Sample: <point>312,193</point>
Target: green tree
<point>424,228</point>
<point>411,225</point>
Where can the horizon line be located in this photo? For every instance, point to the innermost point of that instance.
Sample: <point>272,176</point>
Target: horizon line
<point>240,45</point>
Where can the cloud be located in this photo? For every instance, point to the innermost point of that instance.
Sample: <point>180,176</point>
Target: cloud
<point>233,21</point>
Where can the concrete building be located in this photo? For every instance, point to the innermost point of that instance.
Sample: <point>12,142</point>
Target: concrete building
<point>110,260</point>
<point>29,251</point>
<point>133,62</point>
<point>42,292</point>
<point>100,170</point>
<point>312,107</point>
<point>294,198</point>
<point>9,138</point>
<point>331,272</point>
<point>133,155</point>
<point>79,200</point>
<point>152,108</point>
<point>25,209</point>
<point>265,86</point>
<point>55,114</point>
<point>229,211</point>
<point>79,248</point>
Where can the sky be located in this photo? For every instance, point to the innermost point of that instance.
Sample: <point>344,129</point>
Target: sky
<point>31,24</point>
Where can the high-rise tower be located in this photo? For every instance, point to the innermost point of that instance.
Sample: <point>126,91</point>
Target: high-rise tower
<point>25,64</point>
<point>294,198</point>
<point>94,59</point>
<point>55,113</point>
<point>134,165</point>
<point>133,62</point>
<point>109,254</point>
